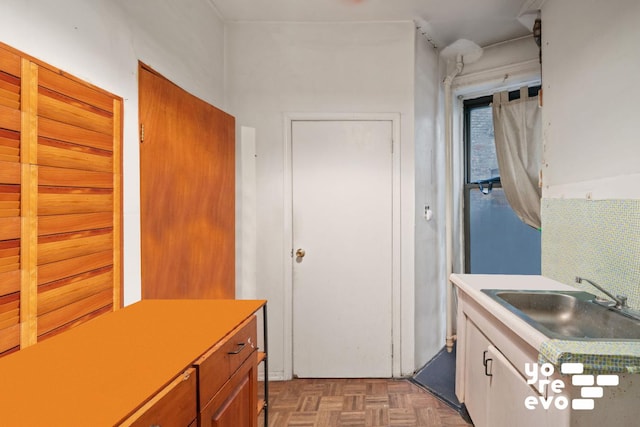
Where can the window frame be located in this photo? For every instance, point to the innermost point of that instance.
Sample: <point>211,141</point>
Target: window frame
<point>467,106</point>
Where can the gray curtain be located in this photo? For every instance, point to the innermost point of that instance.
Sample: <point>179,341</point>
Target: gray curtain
<point>518,135</point>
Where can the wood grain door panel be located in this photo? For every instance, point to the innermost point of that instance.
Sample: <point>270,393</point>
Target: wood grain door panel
<point>187,168</point>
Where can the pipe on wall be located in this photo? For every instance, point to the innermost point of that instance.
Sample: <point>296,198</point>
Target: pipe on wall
<point>448,136</point>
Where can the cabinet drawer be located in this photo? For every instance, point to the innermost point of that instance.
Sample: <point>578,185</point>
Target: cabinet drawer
<point>235,404</point>
<point>175,405</point>
<point>221,361</point>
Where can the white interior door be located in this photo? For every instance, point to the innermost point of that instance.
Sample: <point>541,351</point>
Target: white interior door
<point>342,220</point>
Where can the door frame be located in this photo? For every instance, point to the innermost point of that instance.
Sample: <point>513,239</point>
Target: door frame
<point>396,293</point>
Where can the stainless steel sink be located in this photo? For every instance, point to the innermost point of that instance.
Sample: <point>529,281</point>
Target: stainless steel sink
<point>567,315</point>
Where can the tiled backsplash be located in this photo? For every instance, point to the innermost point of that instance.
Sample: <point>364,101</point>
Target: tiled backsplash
<point>596,239</point>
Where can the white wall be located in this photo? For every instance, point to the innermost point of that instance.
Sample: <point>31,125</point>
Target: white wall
<point>101,41</point>
<point>590,114</point>
<point>278,68</point>
<point>430,268</point>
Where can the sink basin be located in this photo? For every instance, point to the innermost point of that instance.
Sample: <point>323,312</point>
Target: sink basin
<point>567,315</point>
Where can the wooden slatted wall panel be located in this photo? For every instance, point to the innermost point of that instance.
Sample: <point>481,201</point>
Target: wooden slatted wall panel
<point>60,201</point>
<point>75,202</point>
<point>10,179</point>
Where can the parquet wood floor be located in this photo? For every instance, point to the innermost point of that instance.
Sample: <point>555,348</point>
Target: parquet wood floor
<point>356,402</point>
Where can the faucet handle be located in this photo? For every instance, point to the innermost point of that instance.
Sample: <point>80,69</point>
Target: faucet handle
<point>623,301</point>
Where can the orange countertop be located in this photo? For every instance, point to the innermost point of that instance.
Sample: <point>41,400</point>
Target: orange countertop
<point>99,372</point>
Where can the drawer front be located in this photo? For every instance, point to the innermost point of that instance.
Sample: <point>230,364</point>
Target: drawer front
<point>175,405</point>
<point>219,363</point>
<point>235,404</point>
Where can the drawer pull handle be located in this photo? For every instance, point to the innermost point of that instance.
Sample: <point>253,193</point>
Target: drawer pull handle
<point>239,349</point>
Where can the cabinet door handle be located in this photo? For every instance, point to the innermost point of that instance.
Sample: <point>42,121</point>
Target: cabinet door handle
<point>239,349</point>
<point>484,358</point>
<point>486,367</point>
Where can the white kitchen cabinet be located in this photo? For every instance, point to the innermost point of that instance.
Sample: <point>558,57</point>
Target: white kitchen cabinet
<point>477,382</point>
<point>495,390</point>
<point>507,393</point>
<point>497,398</point>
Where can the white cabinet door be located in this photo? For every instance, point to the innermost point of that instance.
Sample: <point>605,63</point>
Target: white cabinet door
<point>477,382</point>
<point>507,393</point>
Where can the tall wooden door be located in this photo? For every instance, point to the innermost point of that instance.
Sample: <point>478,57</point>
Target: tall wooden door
<point>187,192</point>
<point>342,240</point>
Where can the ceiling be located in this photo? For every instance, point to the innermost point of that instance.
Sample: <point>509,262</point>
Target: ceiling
<point>482,21</point>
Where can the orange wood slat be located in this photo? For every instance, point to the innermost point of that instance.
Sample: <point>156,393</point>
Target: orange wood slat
<point>14,265</point>
<point>73,134</point>
<point>63,155</point>
<point>9,310</point>
<point>8,212</point>
<point>54,271</point>
<point>65,112</point>
<point>9,118</point>
<point>9,338</point>
<point>10,140</point>
<point>57,82</point>
<point>73,245</point>
<point>9,99</point>
<point>9,302</point>
<point>10,204</point>
<point>9,173</point>
<point>9,62</point>
<point>9,193</point>
<point>60,296</point>
<point>57,318</point>
<point>9,154</point>
<point>74,178</point>
<point>9,318</point>
<point>9,228</point>
<point>9,247</point>
<point>9,158</point>
<point>9,282</point>
<point>74,203</point>
<point>57,224</point>
<point>12,261</point>
<point>9,83</point>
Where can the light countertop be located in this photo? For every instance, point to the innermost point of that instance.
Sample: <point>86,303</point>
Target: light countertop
<point>597,356</point>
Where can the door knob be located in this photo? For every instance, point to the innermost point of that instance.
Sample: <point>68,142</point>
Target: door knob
<point>300,253</point>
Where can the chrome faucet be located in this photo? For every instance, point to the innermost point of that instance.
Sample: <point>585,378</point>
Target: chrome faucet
<point>620,300</point>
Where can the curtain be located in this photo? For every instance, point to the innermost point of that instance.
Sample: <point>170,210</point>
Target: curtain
<point>518,136</point>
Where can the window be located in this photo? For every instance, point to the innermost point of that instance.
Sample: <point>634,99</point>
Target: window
<point>496,240</point>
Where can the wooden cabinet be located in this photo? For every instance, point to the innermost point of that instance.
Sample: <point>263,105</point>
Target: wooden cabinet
<point>234,404</point>
<point>175,405</point>
<point>157,362</point>
<point>228,378</point>
<point>217,365</point>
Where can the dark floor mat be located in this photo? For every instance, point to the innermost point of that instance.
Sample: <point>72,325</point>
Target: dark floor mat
<point>439,377</point>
